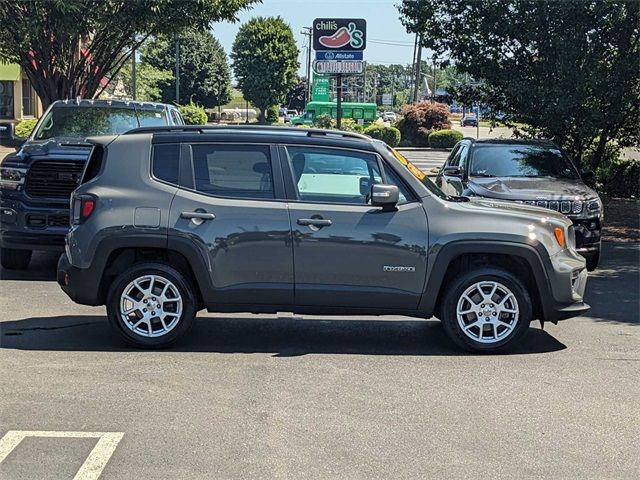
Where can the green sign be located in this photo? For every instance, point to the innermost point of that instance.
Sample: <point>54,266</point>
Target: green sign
<point>320,88</point>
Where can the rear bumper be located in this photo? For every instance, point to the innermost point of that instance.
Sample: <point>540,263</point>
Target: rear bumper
<point>80,284</point>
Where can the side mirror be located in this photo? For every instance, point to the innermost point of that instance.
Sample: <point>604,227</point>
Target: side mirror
<point>452,171</point>
<point>588,175</point>
<point>7,136</point>
<point>385,196</point>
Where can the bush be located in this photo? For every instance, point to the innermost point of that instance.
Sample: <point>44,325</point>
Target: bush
<point>303,125</point>
<point>420,119</point>
<point>193,114</point>
<point>272,114</point>
<point>619,178</point>
<point>389,135</point>
<point>322,121</point>
<point>25,127</point>
<point>444,138</point>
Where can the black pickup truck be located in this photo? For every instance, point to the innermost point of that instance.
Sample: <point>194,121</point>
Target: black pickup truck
<point>36,182</point>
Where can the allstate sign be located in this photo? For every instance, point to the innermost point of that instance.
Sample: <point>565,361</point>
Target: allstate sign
<point>339,55</point>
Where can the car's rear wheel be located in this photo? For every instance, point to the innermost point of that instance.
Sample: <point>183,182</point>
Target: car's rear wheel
<point>14,259</point>
<point>486,310</point>
<point>151,305</point>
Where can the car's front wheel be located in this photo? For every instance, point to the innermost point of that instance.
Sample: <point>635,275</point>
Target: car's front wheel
<point>151,305</point>
<point>14,259</point>
<point>486,310</point>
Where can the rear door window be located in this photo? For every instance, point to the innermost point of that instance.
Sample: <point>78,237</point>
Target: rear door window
<point>233,171</point>
<point>165,160</point>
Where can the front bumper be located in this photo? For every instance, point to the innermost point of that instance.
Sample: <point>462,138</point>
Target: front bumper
<point>568,281</point>
<point>29,227</point>
<point>82,285</point>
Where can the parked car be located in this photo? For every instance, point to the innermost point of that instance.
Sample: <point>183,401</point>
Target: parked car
<point>531,172</point>
<point>469,121</point>
<point>169,221</point>
<point>390,117</point>
<point>290,114</point>
<point>36,182</point>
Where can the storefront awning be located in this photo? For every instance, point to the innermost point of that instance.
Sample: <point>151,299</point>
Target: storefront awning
<point>9,71</point>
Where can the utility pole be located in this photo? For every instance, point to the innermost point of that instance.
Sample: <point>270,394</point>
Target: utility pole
<point>134,83</point>
<point>177,70</point>
<point>308,31</point>
<point>413,68</point>
<point>435,83</point>
<point>339,104</point>
<point>418,65</point>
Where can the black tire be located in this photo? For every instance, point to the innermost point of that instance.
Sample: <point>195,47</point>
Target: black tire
<point>184,322</point>
<point>593,261</point>
<point>456,288</point>
<point>14,259</point>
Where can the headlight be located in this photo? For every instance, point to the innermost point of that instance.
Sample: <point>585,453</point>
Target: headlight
<point>12,178</point>
<point>594,207</point>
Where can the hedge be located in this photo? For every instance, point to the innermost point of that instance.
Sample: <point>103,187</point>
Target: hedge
<point>193,114</point>
<point>620,178</point>
<point>444,138</point>
<point>25,127</point>
<point>389,135</point>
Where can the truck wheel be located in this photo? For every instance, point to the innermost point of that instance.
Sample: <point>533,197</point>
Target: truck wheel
<point>151,305</point>
<point>486,310</point>
<point>14,259</point>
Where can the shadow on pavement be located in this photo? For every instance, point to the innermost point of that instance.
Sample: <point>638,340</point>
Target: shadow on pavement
<point>285,337</point>
<point>613,290</point>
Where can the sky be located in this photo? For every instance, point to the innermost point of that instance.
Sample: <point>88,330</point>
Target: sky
<point>387,40</point>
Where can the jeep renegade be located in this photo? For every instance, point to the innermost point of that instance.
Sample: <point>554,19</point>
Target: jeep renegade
<point>168,221</point>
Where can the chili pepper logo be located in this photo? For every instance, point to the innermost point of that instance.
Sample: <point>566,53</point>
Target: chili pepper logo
<point>349,35</point>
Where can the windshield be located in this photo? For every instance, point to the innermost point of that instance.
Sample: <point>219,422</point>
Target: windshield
<point>82,122</point>
<point>416,172</point>
<point>520,161</point>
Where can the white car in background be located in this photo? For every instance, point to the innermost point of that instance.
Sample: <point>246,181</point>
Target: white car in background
<point>389,117</point>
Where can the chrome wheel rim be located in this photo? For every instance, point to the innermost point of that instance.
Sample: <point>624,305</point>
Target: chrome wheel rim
<point>151,306</point>
<point>487,312</point>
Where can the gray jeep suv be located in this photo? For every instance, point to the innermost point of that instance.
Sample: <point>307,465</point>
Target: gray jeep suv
<point>168,221</point>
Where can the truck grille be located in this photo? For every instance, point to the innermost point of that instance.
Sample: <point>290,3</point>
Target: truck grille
<point>54,179</point>
<point>564,206</point>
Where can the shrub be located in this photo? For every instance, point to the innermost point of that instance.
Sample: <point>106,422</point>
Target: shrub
<point>193,114</point>
<point>272,114</point>
<point>619,178</point>
<point>303,125</point>
<point>25,127</point>
<point>444,138</point>
<point>420,118</point>
<point>322,121</point>
<point>389,135</point>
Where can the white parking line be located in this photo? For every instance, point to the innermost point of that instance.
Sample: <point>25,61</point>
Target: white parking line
<point>95,461</point>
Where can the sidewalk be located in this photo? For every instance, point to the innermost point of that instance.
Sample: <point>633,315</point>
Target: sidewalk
<point>5,151</point>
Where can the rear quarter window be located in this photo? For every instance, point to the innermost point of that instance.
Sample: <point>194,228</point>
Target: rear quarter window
<point>165,160</point>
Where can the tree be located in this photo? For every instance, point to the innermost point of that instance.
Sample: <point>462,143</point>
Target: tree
<point>265,61</point>
<point>148,80</point>
<point>297,96</point>
<point>567,70</point>
<point>205,76</point>
<point>72,48</point>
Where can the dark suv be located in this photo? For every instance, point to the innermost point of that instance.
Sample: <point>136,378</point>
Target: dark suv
<point>169,221</point>
<point>36,182</point>
<point>535,172</point>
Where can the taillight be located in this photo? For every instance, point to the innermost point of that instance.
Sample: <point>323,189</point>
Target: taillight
<point>82,207</point>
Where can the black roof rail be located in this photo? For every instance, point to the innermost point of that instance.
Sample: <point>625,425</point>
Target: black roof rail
<point>310,132</point>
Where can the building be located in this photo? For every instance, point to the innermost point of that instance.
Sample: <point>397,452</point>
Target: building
<point>18,99</point>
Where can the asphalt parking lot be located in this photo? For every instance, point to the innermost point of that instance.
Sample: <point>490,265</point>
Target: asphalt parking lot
<point>268,396</point>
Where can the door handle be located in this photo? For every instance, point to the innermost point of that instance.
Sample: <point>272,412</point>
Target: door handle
<point>315,222</point>
<point>198,215</point>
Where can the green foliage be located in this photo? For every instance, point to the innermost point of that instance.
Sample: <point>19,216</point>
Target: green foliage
<point>148,81</point>
<point>25,127</point>
<point>619,178</point>
<point>420,119</point>
<point>205,75</point>
<point>323,121</point>
<point>389,135</point>
<point>566,70</point>
<point>33,32</point>
<point>444,138</point>
<point>193,114</point>
<point>265,61</point>
<point>303,125</point>
<point>272,114</point>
